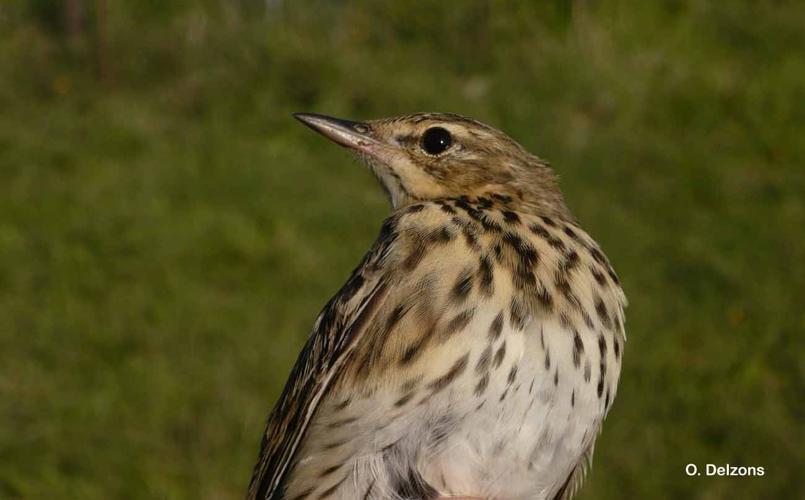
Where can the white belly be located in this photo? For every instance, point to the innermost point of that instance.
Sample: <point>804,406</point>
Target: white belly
<point>524,436</point>
<point>518,438</point>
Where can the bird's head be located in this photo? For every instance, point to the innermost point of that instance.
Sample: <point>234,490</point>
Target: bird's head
<point>429,156</point>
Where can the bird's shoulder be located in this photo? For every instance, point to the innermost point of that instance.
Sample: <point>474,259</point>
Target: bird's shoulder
<point>402,242</point>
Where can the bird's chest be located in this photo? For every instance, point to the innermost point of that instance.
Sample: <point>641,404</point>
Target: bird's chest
<point>487,376</point>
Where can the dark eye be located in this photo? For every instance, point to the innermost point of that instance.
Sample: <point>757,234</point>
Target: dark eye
<point>436,140</point>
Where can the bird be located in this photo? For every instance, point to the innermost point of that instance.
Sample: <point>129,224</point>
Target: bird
<point>475,350</point>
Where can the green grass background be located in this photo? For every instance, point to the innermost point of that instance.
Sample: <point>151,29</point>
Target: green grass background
<point>168,232</point>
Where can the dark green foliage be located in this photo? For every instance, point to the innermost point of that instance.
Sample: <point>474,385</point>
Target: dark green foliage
<point>169,233</point>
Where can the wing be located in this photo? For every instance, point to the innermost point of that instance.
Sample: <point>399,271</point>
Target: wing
<point>338,327</point>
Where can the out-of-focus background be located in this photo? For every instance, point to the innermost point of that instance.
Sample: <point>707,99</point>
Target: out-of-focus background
<point>168,232</point>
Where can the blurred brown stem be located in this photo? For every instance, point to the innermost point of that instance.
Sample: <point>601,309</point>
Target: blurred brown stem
<point>73,18</point>
<point>102,40</point>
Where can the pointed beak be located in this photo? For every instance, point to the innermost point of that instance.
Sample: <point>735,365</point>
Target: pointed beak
<point>353,135</point>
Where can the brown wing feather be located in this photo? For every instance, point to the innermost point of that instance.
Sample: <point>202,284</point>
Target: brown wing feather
<point>576,477</point>
<point>340,324</point>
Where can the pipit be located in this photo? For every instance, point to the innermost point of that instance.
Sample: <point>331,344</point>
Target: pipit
<point>475,350</point>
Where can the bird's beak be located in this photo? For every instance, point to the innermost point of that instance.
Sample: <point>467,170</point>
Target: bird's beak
<point>353,135</point>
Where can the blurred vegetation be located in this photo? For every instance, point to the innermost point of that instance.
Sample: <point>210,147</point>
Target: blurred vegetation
<point>168,233</point>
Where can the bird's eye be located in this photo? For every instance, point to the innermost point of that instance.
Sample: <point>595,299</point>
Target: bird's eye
<point>436,140</point>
